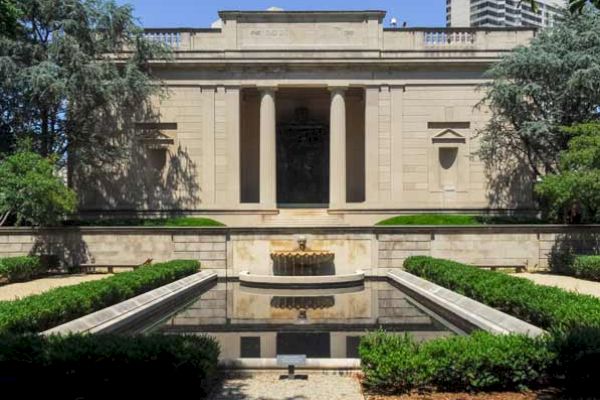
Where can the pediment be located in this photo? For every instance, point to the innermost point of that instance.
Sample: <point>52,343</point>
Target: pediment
<point>157,140</point>
<point>449,136</point>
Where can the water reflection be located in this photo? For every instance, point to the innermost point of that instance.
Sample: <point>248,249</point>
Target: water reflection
<point>251,322</point>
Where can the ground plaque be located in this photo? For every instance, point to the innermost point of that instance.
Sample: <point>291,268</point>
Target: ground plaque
<point>291,361</point>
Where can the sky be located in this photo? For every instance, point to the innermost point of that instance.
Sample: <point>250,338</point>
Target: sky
<point>201,13</point>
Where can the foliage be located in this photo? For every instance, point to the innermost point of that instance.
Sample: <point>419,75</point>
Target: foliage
<point>546,307</point>
<point>573,195</point>
<point>431,219</point>
<point>574,5</point>
<point>167,222</point>
<point>456,219</point>
<point>23,268</point>
<point>105,366</point>
<point>61,85</point>
<point>479,362</point>
<point>539,88</point>
<point>573,319</point>
<point>9,14</point>
<point>40,312</point>
<point>586,267</point>
<point>578,355</point>
<point>31,192</point>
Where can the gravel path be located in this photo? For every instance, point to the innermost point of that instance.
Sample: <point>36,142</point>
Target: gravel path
<point>268,386</point>
<point>14,291</point>
<point>564,282</point>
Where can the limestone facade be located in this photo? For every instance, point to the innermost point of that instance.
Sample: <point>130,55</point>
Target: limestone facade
<point>399,107</point>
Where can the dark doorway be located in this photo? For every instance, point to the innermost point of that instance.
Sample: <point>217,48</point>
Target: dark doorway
<point>302,161</point>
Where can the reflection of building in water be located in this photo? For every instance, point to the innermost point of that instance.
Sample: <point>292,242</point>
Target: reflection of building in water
<point>259,324</point>
<point>298,303</point>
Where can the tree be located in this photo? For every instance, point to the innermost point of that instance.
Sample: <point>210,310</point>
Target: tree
<point>31,192</point>
<point>9,14</point>
<point>574,5</point>
<point>75,77</point>
<point>538,89</point>
<point>573,195</point>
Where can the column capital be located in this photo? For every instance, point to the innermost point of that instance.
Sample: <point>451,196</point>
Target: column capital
<point>267,88</point>
<point>337,89</point>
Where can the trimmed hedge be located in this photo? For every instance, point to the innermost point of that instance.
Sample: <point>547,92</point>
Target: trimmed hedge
<point>395,363</point>
<point>105,366</point>
<point>166,222</point>
<point>18,269</point>
<point>572,319</point>
<point>43,311</point>
<point>544,306</point>
<point>586,267</point>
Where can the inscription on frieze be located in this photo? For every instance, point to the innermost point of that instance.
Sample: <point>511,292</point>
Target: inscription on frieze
<point>302,35</point>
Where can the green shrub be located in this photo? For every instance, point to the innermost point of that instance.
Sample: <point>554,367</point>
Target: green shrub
<point>480,362</point>
<point>573,319</point>
<point>17,269</point>
<point>99,366</point>
<point>586,267</point>
<point>40,312</point>
<point>578,357</point>
<point>431,219</point>
<point>458,219</point>
<point>546,307</point>
<point>166,222</point>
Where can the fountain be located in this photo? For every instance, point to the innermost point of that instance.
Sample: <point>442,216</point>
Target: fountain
<point>302,267</point>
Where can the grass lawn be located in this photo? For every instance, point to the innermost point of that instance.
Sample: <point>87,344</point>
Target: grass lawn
<point>178,221</point>
<point>456,219</point>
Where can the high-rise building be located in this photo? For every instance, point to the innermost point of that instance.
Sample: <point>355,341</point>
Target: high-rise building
<point>460,13</point>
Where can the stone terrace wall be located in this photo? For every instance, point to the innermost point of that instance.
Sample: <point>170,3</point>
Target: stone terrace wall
<point>374,249</point>
<point>117,247</point>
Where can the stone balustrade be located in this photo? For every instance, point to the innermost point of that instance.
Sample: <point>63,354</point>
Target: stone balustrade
<point>405,39</point>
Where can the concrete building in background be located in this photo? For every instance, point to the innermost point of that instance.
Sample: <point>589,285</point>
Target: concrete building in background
<point>492,13</point>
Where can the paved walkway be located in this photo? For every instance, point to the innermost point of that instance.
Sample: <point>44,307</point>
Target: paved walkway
<point>14,291</point>
<point>564,282</point>
<point>268,386</point>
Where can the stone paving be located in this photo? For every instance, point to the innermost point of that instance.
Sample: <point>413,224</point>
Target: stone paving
<point>15,291</point>
<point>581,286</point>
<point>268,386</point>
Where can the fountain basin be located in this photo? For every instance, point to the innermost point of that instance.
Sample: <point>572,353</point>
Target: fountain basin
<point>319,281</point>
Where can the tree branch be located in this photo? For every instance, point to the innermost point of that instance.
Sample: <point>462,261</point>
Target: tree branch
<point>5,217</point>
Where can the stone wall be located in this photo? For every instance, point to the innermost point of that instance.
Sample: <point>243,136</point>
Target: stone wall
<point>375,250</point>
<point>116,247</point>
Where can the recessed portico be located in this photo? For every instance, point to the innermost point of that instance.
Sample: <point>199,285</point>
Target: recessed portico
<point>295,139</point>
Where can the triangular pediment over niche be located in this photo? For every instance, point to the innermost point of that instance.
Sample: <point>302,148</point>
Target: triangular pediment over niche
<point>448,136</point>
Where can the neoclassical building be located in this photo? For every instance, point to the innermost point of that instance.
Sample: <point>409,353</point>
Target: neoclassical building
<point>313,117</point>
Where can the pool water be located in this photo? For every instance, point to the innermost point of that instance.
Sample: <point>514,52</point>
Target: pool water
<point>319,323</point>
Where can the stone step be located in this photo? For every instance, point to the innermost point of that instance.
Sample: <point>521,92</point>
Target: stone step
<point>303,217</point>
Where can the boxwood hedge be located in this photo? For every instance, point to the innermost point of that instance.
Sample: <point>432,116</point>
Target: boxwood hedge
<point>546,307</point>
<point>395,363</point>
<point>572,319</point>
<point>105,366</point>
<point>18,269</point>
<point>40,312</point>
<point>586,267</point>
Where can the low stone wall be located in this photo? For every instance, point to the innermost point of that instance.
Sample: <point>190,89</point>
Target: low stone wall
<point>374,250</point>
<point>117,247</point>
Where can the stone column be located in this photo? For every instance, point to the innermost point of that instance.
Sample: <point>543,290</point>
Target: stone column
<point>268,149</point>
<point>337,148</point>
